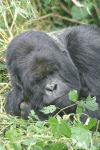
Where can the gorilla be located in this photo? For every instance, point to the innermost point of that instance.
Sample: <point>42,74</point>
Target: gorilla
<point>45,67</point>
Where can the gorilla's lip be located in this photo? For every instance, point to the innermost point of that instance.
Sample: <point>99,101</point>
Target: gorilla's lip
<point>56,99</point>
<point>60,96</point>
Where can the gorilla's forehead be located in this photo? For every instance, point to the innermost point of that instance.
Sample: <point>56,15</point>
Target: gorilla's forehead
<point>45,54</point>
<point>44,47</point>
<point>47,43</point>
<point>44,62</point>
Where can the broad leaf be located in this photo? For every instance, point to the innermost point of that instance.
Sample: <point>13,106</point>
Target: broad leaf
<point>54,126</point>
<point>64,129</point>
<point>49,109</point>
<point>73,95</point>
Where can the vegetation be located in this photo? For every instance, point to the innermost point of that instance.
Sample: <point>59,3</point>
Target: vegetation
<point>57,133</point>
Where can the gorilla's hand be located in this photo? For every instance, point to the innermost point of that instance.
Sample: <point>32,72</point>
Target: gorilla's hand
<point>25,109</point>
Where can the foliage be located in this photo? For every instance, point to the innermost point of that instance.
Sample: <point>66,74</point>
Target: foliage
<point>49,109</point>
<point>57,133</point>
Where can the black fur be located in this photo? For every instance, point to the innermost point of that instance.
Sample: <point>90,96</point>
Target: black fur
<point>43,68</point>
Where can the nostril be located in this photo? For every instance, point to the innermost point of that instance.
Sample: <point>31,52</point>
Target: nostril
<point>55,87</point>
<point>48,89</point>
<point>51,87</point>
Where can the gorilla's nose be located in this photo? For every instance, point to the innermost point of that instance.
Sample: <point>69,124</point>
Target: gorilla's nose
<point>51,87</point>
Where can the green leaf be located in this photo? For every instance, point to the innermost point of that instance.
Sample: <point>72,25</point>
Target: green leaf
<point>39,124</point>
<point>78,13</point>
<point>9,136</point>
<point>0,77</point>
<point>81,104</point>
<point>89,5</point>
<point>58,146</point>
<point>49,109</point>
<point>54,126</point>
<point>80,107</point>
<point>88,98</point>
<point>99,15</point>
<point>40,144</point>
<point>17,146</point>
<point>81,134</point>
<point>2,66</point>
<point>36,117</point>
<point>91,103</point>
<point>65,129</point>
<point>79,110</point>
<point>36,147</point>
<point>47,2</point>
<point>58,118</point>
<point>11,144</point>
<point>24,126</point>
<point>32,114</point>
<point>30,118</point>
<point>29,141</point>
<point>73,95</point>
<point>91,123</point>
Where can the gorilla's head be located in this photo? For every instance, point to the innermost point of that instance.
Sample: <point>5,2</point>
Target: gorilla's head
<point>42,69</point>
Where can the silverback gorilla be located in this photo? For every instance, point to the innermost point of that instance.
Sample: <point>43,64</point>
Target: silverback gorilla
<point>45,67</point>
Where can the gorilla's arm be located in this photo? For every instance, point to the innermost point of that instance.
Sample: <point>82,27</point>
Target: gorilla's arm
<point>13,101</point>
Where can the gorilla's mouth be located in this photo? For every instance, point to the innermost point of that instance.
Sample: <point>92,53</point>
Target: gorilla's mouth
<point>60,99</point>
<point>65,94</point>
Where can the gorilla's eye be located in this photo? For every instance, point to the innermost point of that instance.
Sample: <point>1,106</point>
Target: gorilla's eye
<point>55,67</point>
<point>50,72</point>
<point>51,69</point>
<point>38,76</point>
